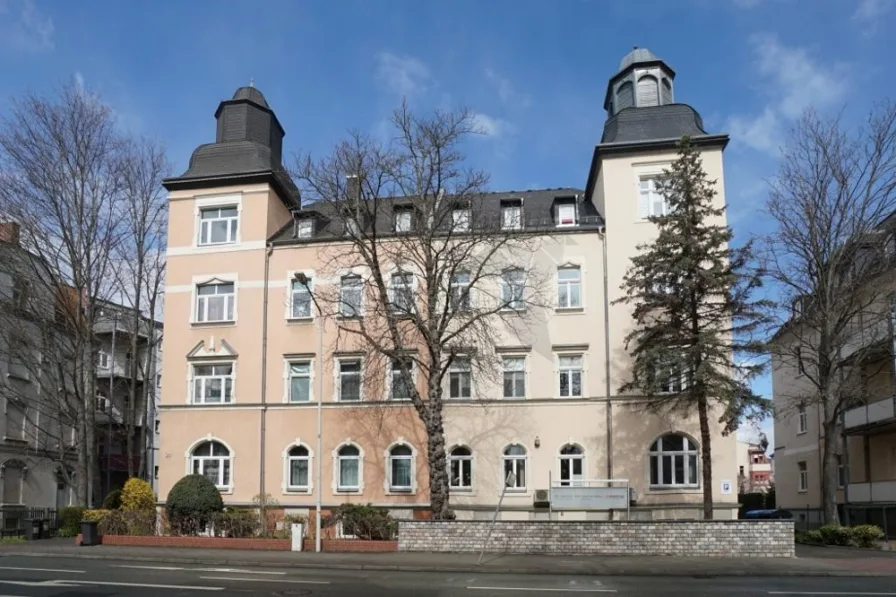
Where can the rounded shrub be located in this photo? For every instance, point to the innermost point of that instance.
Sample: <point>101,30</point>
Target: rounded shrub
<point>137,495</point>
<point>834,534</point>
<point>191,503</point>
<point>112,501</point>
<point>867,535</point>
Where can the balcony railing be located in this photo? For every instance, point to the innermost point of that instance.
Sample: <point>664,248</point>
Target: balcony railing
<point>875,413</point>
<point>876,491</point>
<point>118,369</point>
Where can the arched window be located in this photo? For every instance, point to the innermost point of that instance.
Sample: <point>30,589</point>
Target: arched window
<point>572,465</point>
<point>401,466</point>
<point>673,461</point>
<point>348,468</point>
<point>298,469</point>
<point>667,92</point>
<point>212,459</point>
<point>515,467</point>
<point>460,468</point>
<point>625,97</point>
<point>648,91</point>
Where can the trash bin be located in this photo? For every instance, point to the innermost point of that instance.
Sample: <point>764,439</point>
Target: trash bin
<point>45,528</point>
<point>32,529</point>
<point>89,533</point>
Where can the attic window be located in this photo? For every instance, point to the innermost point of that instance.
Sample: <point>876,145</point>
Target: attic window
<point>565,213</point>
<point>512,214</point>
<point>403,218</point>
<point>304,229</point>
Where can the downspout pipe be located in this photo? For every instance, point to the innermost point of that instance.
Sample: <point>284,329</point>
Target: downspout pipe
<point>609,387</point>
<point>269,249</point>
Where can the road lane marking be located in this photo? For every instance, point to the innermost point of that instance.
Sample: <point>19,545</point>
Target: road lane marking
<point>225,570</point>
<point>86,583</point>
<point>831,593</point>
<point>42,570</point>
<point>542,590</point>
<point>166,568</point>
<point>269,580</point>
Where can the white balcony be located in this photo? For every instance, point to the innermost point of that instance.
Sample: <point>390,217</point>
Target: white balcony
<point>876,491</point>
<point>875,413</point>
<point>761,467</point>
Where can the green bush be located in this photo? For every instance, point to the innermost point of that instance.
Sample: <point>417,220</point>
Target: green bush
<point>366,522</point>
<point>809,538</point>
<point>96,516</point>
<point>833,534</point>
<point>191,504</point>
<point>137,495</point>
<point>237,523</point>
<point>70,521</point>
<point>867,535</point>
<point>113,500</point>
<point>127,522</point>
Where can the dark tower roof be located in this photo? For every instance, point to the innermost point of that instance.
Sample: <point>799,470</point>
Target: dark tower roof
<point>636,56</point>
<point>248,147</point>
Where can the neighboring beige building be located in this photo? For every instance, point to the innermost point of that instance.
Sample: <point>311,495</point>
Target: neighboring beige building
<point>246,360</point>
<point>754,468</point>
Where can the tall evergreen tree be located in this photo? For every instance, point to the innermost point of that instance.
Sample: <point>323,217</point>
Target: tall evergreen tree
<point>694,312</point>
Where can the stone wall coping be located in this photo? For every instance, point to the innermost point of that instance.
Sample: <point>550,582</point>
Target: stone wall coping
<point>601,522</point>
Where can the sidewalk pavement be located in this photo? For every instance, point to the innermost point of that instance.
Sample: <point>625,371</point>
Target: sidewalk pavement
<point>808,563</point>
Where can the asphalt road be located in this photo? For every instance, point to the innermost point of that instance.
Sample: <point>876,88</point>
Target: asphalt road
<point>70,577</point>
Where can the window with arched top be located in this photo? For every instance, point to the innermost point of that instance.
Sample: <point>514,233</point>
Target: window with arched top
<point>298,468</point>
<point>515,458</point>
<point>401,467</point>
<point>572,465</point>
<point>460,469</point>
<point>648,91</point>
<point>213,460</point>
<point>348,468</point>
<point>674,462</point>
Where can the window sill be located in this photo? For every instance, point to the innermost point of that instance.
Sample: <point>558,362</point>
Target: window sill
<point>802,491</point>
<point>300,320</point>
<point>394,492</point>
<point>569,397</point>
<point>213,324</point>
<point>802,432</point>
<point>225,490</point>
<point>299,402</point>
<point>211,403</point>
<point>674,488</point>
<point>509,310</point>
<point>569,310</point>
<point>521,492</point>
<point>343,491</point>
<point>15,440</point>
<point>465,491</point>
<point>349,317</point>
<point>297,491</point>
<point>227,244</point>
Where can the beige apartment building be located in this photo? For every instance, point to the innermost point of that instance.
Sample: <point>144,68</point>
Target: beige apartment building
<point>249,359</point>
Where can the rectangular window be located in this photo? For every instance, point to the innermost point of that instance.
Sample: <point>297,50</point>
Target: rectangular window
<point>300,299</point>
<point>15,419</point>
<point>400,389</point>
<point>103,359</point>
<point>403,219</point>
<point>300,381</point>
<point>350,296</point>
<point>514,377</point>
<point>570,376</point>
<point>672,380</point>
<point>350,380</point>
<point>513,289</point>
<point>651,200</point>
<point>214,302</point>
<point>401,289</point>
<point>511,216</point>
<point>566,214</point>
<point>804,475</point>
<point>212,384</point>
<point>841,472</point>
<point>460,291</point>
<point>13,478</point>
<point>305,229</point>
<point>218,225</point>
<point>569,287</point>
<point>802,419</point>
<point>460,219</point>
<point>460,379</point>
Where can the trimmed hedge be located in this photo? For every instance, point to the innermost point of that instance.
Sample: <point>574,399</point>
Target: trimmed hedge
<point>70,521</point>
<point>191,503</point>
<point>866,535</point>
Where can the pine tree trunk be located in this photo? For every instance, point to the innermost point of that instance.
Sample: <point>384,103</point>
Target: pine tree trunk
<point>829,474</point>
<point>706,457</point>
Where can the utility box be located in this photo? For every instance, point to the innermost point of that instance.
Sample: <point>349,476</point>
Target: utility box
<point>298,535</point>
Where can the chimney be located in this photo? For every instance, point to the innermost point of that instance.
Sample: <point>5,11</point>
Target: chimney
<point>9,232</point>
<point>353,187</point>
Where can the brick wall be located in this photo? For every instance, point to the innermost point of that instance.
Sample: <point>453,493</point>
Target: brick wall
<point>352,545</point>
<point>719,538</point>
<point>197,542</point>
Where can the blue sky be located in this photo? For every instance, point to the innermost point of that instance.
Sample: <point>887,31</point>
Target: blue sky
<point>534,72</point>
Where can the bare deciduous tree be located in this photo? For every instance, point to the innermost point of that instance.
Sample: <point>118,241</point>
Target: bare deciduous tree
<point>832,202</point>
<point>430,280</point>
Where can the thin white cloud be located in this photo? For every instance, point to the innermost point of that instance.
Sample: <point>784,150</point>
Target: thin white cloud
<point>404,76</point>
<point>507,93</point>
<point>792,80</point>
<point>23,28</point>
<point>869,13</point>
<point>491,126</point>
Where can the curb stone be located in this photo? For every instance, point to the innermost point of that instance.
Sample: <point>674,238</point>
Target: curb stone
<point>464,569</point>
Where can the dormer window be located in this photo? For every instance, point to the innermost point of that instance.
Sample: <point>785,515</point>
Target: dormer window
<point>403,219</point>
<point>460,218</point>
<point>305,229</point>
<point>565,213</point>
<point>512,215</point>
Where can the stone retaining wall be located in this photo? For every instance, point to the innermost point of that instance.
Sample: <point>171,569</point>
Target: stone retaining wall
<point>717,538</point>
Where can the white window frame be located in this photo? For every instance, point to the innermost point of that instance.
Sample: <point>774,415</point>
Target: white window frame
<point>568,285</point>
<point>522,372</point>
<point>403,219</point>
<point>191,458</point>
<point>686,454</point>
<point>343,306</point>
<point>802,420</point>
<point>802,468</point>
<point>650,200</point>
<point>232,222</point>
<point>338,372</point>
<point>102,359</point>
<point>456,292</point>
<point>288,459</point>
<point>461,219</point>
<point>392,378</point>
<point>841,472</point>
<point>573,480</point>
<point>193,377</point>
<point>513,292</point>
<point>337,469</point>
<point>515,459</point>
<point>288,376</point>
<point>570,371</point>
<point>512,216</point>
<point>407,284</point>
<point>564,211</point>
<point>200,302</point>
<point>305,228</point>
<point>457,367</point>
<point>411,458</point>
<point>296,288</point>
<point>462,461</point>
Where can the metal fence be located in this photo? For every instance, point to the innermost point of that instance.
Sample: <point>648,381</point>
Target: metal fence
<point>13,519</point>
